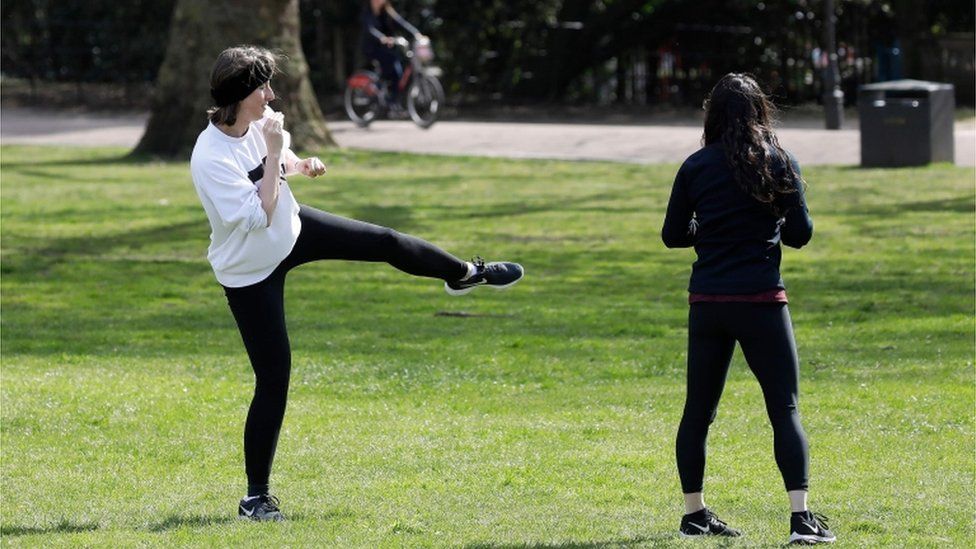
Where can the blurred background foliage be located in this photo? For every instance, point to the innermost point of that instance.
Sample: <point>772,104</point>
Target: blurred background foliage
<point>654,53</point>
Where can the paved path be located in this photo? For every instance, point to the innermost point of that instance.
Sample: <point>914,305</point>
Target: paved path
<point>644,143</point>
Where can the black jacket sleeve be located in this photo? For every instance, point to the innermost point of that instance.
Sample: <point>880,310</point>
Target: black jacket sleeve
<point>371,28</point>
<point>797,228</point>
<point>679,225</point>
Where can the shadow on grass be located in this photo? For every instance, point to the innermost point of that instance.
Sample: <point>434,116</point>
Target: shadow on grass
<point>125,158</point>
<point>522,207</point>
<point>174,522</point>
<point>659,540</point>
<point>108,159</point>
<point>962,204</point>
<point>894,169</point>
<point>396,217</point>
<point>401,217</point>
<point>58,250</point>
<point>63,527</point>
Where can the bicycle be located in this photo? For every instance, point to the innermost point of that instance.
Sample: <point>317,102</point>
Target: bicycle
<point>367,95</point>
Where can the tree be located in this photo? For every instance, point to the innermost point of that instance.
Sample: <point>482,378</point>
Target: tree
<point>199,31</point>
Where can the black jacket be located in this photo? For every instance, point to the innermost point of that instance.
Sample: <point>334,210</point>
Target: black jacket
<point>377,26</point>
<point>737,238</point>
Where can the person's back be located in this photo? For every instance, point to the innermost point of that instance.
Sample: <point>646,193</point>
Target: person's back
<point>737,239</point>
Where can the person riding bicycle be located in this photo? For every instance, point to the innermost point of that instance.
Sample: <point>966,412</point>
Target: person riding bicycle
<point>378,18</point>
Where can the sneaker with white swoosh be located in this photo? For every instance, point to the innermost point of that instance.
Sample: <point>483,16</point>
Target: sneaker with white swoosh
<point>808,528</point>
<point>260,508</point>
<point>705,523</point>
<point>498,275</point>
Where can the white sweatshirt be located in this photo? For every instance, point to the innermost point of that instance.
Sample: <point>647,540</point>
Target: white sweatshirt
<point>227,173</point>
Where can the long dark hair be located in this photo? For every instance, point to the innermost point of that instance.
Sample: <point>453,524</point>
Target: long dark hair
<point>740,116</point>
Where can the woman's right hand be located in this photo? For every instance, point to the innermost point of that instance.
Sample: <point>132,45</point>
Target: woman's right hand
<point>273,131</point>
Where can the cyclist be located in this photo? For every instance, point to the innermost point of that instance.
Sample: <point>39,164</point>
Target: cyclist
<point>378,20</point>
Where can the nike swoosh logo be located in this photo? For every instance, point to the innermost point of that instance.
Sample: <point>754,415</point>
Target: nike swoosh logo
<point>702,528</point>
<point>812,526</point>
<point>246,512</point>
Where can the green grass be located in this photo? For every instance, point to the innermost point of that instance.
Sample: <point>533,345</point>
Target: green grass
<point>539,417</point>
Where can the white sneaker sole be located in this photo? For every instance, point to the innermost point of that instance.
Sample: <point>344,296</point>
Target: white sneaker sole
<point>704,535</point>
<point>810,539</point>
<point>279,518</point>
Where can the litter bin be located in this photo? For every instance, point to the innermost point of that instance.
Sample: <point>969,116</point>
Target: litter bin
<point>906,123</point>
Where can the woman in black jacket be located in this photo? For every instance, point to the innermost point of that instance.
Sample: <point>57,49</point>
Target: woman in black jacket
<point>735,201</point>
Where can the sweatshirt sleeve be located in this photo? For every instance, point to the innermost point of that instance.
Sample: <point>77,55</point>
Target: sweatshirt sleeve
<point>679,224</point>
<point>797,228</point>
<point>234,196</point>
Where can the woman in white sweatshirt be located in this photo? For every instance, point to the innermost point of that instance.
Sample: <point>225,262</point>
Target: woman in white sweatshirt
<point>259,232</point>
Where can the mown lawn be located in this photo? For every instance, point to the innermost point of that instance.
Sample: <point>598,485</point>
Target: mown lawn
<point>539,417</point>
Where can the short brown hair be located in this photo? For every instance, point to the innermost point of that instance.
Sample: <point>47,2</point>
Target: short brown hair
<point>231,63</point>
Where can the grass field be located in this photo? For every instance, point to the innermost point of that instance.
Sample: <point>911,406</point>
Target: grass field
<point>539,417</point>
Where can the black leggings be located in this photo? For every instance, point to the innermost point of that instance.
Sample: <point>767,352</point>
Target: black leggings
<point>765,334</point>
<point>259,310</point>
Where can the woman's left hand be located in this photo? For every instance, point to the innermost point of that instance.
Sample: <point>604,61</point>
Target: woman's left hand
<point>311,167</point>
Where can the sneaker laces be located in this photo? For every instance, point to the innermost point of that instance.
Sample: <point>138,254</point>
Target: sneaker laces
<point>821,520</point>
<point>270,502</point>
<point>482,267</point>
<point>711,517</point>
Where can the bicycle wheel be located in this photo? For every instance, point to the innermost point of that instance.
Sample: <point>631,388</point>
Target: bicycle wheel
<point>425,96</point>
<point>362,107</point>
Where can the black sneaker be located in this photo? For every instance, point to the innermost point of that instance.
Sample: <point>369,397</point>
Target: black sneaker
<point>705,523</point>
<point>496,275</point>
<point>260,508</point>
<point>808,528</point>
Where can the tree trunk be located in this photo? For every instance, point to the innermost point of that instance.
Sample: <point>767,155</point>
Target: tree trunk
<point>198,33</point>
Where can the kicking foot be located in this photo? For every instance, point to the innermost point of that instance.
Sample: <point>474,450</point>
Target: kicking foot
<point>498,275</point>
<point>808,528</point>
<point>260,508</point>
<point>705,523</point>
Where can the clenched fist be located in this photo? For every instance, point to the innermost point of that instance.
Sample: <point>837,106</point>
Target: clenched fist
<point>311,167</point>
<point>273,133</point>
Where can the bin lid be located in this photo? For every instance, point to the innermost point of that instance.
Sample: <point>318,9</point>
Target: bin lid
<point>906,85</point>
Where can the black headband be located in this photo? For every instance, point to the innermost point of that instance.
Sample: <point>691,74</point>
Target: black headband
<point>239,86</point>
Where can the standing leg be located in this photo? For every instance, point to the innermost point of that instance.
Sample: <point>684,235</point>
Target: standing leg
<point>710,349</point>
<point>766,336</point>
<point>260,314</point>
<point>770,349</point>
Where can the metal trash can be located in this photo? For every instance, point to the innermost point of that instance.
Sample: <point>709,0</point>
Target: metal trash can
<point>906,123</point>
